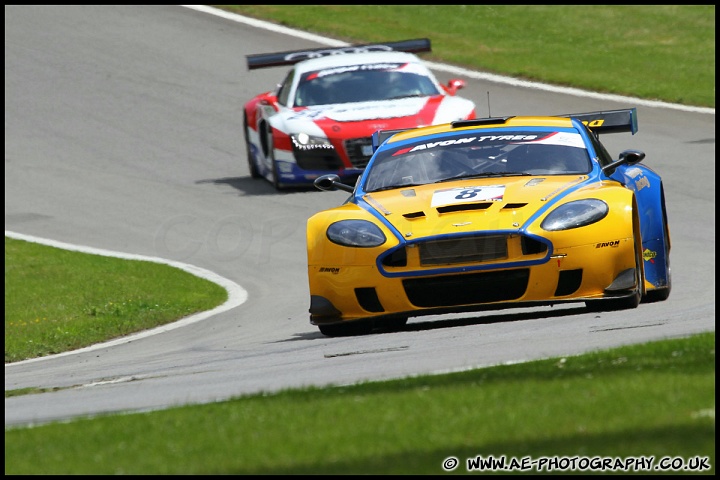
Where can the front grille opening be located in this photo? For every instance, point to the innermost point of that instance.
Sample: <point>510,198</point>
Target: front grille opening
<point>398,258</point>
<point>568,282</point>
<point>530,246</point>
<point>463,250</point>
<point>467,289</point>
<point>463,207</point>
<point>359,151</point>
<point>317,159</point>
<point>368,299</point>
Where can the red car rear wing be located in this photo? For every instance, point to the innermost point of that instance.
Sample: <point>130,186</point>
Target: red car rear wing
<point>291,57</point>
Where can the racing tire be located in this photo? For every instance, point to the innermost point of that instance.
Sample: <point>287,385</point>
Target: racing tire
<point>348,329</point>
<point>275,177</point>
<point>274,170</point>
<point>624,303</point>
<point>254,172</point>
<point>662,294</point>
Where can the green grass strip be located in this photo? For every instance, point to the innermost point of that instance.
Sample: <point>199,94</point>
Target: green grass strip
<point>655,399</point>
<point>58,300</point>
<point>654,52</point>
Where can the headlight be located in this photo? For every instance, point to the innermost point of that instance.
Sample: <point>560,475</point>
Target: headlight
<point>355,233</point>
<point>303,141</point>
<point>575,214</point>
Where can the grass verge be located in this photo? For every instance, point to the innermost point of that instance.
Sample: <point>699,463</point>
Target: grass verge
<point>654,52</point>
<point>655,399</point>
<point>58,300</point>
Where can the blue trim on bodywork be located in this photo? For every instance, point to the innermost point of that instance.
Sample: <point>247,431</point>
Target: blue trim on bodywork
<point>362,203</point>
<point>358,199</point>
<point>647,186</point>
<point>463,269</point>
<point>642,180</point>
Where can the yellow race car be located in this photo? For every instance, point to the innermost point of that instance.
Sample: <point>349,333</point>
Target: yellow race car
<point>485,214</point>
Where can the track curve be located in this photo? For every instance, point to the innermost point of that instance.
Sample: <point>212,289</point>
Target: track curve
<point>123,132</point>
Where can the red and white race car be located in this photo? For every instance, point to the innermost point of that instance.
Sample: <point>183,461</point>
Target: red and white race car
<point>321,118</point>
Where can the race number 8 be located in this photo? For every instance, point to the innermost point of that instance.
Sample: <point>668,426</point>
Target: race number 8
<point>468,193</point>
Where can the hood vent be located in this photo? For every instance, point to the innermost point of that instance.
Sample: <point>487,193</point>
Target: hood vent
<point>414,215</point>
<point>514,205</point>
<point>463,207</point>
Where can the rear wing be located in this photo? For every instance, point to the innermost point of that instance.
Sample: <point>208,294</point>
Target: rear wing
<point>609,121</point>
<point>291,57</point>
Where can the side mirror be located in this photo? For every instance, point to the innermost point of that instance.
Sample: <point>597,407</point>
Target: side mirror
<point>627,157</point>
<point>454,85</point>
<point>331,182</point>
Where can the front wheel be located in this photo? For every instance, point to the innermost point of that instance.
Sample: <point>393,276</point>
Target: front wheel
<point>624,303</point>
<point>254,172</point>
<point>275,177</point>
<point>662,294</point>
<point>274,169</point>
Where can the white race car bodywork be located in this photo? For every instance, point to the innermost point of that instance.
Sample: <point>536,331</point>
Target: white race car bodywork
<point>339,133</point>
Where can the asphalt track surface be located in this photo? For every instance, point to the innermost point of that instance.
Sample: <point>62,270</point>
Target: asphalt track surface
<point>123,133</point>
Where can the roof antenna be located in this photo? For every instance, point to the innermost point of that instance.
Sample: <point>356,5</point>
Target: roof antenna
<point>488,98</point>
